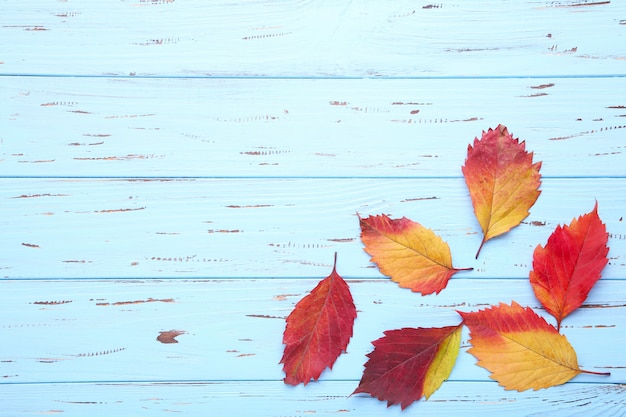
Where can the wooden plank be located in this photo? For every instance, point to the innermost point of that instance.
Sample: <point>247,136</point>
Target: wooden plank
<point>336,38</point>
<point>231,330</point>
<point>81,228</point>
<point>311,128</point>
<point>272,399</point>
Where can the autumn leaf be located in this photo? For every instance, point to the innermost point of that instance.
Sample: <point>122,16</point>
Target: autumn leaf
<point>318,330</point>
<point>570,264</point>
<point>409,253</point>
<point>502,180</point>
<point>520,349</point>
<point>409,364</point>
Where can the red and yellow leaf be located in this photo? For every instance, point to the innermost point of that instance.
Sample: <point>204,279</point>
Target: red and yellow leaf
<point>409,364</point>
<point>407,252</point>
<point>318,330</point>
<point>502,180</point>
<point>570,264</point>
<point>519,348</point>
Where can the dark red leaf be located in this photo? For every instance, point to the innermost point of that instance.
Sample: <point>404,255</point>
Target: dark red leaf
<point>409,363</point>
<point>318,330</point>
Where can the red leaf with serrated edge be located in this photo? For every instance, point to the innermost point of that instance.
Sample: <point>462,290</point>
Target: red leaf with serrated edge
<point>570,264</point>
<point>318,330</point>
<point>409,363</point>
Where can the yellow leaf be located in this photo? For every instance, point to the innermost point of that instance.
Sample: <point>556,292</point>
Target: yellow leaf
<point>520,349</point>
<point>409,253</point>
<point>502,180</point>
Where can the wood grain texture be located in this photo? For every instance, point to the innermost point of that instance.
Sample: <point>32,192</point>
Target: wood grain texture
<point>72,228</point>
<point>231,330</point>
<point>314,38</point>
<point>327,399</point>
<point>176,175</point>
<point>311,128</point>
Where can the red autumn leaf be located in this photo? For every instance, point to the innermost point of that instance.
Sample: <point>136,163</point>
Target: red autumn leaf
<point>318,330</point>
<point>502,180</point>
<point>570,264</point>
<point>520,349</point>
<point>409,364</point>
<point>409,253</point>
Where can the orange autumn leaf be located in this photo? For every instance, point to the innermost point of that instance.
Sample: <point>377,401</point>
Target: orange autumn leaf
<point>570,264</point>
<point>408,364</point>
<point>318,330</point>
<point>407,252</point>
<point>520,349</point>
<point>502,180</point>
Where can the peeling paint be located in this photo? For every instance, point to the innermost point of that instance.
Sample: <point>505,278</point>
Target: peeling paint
<point>265,316</point>
<point>40,195</point>
<point>542,86</point>
<point>169,336</point>
<point>121,210</point>
<point>31,245</point>
<point>130,116</point>
<point>38,161</point>
<point>101,353</point>
<point>48,303</point>
<point>119,158</point>
<point>67,14</point>
<point>283,297</point>
<point>97,135</point>
<point>149,300</point>
<point>410,103</point>
<point>589,132</point>
<point>266,36</point>
<point>265,153</point>
<point>535,95</point>
<point>579,3</point>
<point>406,200</point>
<point>250,206</point>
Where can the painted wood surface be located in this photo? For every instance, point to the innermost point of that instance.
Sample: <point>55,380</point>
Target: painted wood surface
<point>176,175</point>
<point>125,330</point>
<point>314,38</point>
<point>110,349</point>
<point>308,128</point>
<point>266,228</point>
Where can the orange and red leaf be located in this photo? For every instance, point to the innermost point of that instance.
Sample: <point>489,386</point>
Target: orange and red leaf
<point>410,363</point>
<point>318,330</point>
<point>407,252</point>
<point>519,348</point>
<point>565,270</point>
<point>502,180</point>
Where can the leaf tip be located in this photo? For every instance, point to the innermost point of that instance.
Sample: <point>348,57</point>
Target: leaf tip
<point>462,314</point>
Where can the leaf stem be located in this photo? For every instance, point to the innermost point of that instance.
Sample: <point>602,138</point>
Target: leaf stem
<point>480,247</point>
<point>595,373</point>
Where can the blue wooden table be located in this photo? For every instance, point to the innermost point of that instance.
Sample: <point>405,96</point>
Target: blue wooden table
<point>176,175</point>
